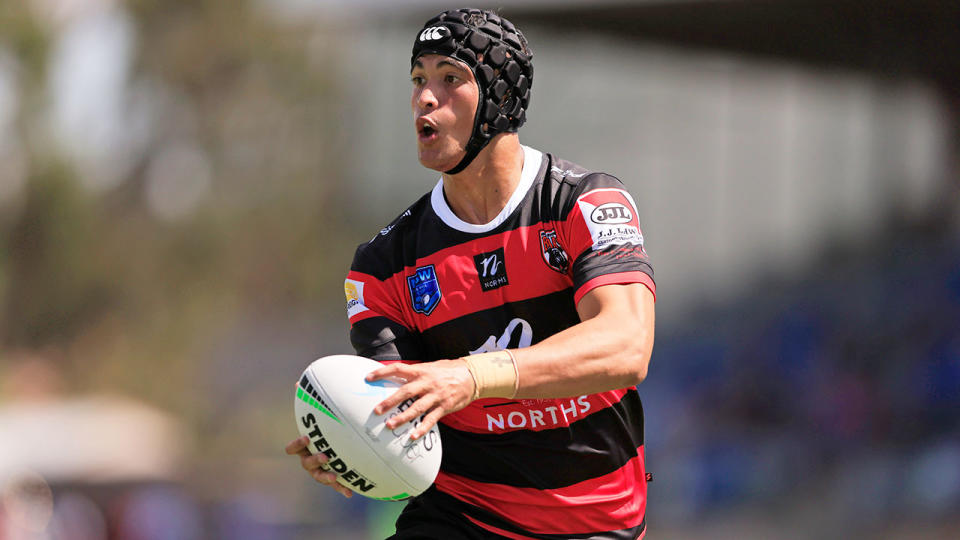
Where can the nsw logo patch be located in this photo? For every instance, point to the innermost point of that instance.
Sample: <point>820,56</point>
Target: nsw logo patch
<point>492,269</point>
<point>424,289</point>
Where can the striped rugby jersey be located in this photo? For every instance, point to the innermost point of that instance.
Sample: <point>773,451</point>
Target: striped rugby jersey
<point>430,286</point>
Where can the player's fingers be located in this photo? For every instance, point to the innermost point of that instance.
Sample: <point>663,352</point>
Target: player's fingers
<point>390,370</point>
<point>392,400</point>
<point>427,423</point>
<point>405,392</point>
<point>314,462</point>
<point>324,477</point>
<point>343,491</point>
<point>297,445</point>
<point>419,407</point>
<point>330,479</point>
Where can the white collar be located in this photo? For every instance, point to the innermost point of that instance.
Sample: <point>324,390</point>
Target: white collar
<point>532,159</point>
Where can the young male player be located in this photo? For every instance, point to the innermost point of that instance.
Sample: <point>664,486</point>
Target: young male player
<point>517,302</point>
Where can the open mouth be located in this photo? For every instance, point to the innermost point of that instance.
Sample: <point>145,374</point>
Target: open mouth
<point>426,130</point>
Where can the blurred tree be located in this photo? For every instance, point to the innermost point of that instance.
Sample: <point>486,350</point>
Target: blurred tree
<point>130,282</point>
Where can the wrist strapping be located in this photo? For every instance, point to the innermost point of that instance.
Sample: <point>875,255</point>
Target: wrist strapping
<point>495,374</point>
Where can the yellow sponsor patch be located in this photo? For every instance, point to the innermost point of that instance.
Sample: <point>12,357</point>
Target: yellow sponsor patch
<point>354,291</point>
<point>350,289</point>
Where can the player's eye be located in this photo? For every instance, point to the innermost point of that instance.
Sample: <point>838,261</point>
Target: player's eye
<point>416,80</point>
<point>451,79</point>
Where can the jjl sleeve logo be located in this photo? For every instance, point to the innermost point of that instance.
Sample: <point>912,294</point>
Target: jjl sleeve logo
<point>611,217</point>
<point>424,289</point>
<point>554,255</point>
<point>611,214</point>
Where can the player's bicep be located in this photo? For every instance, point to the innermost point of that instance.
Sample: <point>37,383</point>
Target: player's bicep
<point>627,309</point>
<point>633,301</point>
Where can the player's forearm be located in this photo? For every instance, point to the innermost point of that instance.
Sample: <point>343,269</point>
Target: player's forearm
<point>599,354</point>
<point>609,349</point>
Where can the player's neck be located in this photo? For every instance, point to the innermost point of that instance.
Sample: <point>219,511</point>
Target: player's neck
<point>479,192</point>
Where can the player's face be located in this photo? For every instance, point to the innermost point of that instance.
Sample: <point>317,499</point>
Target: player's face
<point>444,103</point>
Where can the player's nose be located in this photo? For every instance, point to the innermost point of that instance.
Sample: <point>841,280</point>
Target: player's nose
<point>427,98</point>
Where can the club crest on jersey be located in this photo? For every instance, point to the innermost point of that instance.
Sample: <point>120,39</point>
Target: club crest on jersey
<point>424,289</point>
<point>554,255</point>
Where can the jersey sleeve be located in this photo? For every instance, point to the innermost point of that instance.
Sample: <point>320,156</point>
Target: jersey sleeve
<point>603,237</point>
<point>376,320</point>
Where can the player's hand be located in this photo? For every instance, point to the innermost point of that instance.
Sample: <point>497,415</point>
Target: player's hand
<point>438,388</point>
<point>315,465</point>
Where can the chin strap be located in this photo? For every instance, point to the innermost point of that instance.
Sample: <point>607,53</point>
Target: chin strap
<point>473,150</point>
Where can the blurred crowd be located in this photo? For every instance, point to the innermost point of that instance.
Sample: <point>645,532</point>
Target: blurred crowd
<point>843,387</point>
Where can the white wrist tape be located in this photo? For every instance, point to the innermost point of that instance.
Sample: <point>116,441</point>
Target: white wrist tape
<point>495,374</point>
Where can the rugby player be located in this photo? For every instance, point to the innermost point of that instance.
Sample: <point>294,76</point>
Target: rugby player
<point>516,301</point>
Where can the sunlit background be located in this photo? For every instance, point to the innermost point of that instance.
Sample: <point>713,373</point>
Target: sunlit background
<point>183,183</point>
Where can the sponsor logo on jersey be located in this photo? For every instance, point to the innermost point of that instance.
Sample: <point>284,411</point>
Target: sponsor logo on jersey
<point>546,413</point>
<point>611,217</point>
<point>353,290</point>
<point>554,255</point>
<point>492,269</point>
<point>434,33</point>
<point>424,289</point>
<point>611,214</point>
<point>506,341</point>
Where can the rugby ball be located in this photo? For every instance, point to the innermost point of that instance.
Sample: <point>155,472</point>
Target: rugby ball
<point>334,408</point>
